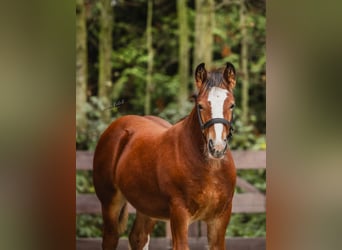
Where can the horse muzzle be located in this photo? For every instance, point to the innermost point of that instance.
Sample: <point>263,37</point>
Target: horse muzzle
<point>218,149</point>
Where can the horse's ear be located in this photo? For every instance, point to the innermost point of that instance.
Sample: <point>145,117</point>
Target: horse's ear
<point>229,75</point>
<point>200,75</point>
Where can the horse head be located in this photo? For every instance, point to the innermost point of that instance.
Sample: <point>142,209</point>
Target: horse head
<point>215,103</point>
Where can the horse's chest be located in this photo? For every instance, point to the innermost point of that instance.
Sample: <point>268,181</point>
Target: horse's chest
<point>210,201</point>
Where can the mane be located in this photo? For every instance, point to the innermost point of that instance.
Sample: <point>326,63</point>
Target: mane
<point>214,79</point>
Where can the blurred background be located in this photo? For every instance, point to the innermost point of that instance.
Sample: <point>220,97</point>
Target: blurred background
<point>37,128</point>
<point>138,57</point>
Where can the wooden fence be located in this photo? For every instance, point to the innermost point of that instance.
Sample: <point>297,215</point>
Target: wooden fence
<point>251,201</point>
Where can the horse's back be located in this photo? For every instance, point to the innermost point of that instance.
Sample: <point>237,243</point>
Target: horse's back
<point>122,153</point>
<point>137,123</point>
<point>159,121</point>
<point>116,139</point>
<point>122,130</point>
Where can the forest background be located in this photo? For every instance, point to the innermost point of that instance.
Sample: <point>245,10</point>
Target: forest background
<point>138,57</point>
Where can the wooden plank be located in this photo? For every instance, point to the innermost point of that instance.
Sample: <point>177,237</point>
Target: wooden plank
<point>84,160</point>
<point>248,159</point>
<point>204,229</point>
<point>242,203</point>
<point>168,230</point>
<point>249,203</point>
<point>87,203</point>
<point>88,244</point>
<point>198,243</point>
<point>201,243</point>
<point>246,186</point>
<point>95,244</point>
<point>246,243</point>
<point>193,230</point>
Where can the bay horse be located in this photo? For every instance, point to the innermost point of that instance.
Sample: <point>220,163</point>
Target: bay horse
<point>182,173</point>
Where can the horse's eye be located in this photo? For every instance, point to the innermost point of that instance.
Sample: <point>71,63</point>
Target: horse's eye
<point>232,106</point>
<point>200,107</point>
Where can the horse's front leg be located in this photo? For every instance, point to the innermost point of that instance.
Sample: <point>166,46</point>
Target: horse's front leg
<point>217,230</point>
<point>179,218</point>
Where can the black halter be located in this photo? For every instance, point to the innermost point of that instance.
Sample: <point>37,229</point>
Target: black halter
<point>213,121</point>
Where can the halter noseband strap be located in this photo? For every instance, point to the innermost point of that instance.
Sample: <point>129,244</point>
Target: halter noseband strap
<point>213,121</point>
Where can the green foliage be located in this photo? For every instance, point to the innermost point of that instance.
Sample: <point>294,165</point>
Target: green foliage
<point>84,182</point>
<point>129,68</point>
<point>88,225</point>
<point>95,126</point>
<point>247,225</point>
<point>257,177</point>
<point>227,48</point>
<point>245,136</point>
<point>172,113</point>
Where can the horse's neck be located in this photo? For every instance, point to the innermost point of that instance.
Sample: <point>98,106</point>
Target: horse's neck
<point>192,137</point>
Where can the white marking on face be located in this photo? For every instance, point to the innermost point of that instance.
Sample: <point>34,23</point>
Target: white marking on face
<point>216,97</point>
<point>147,243</point>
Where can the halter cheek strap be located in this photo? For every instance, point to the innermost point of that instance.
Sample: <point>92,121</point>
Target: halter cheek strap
<point>213,121</point>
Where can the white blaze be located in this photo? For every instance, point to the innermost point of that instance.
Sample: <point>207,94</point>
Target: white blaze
<point>216,97</point>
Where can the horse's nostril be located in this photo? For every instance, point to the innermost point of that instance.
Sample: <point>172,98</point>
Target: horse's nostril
<point>211,143</point>
<point>211,146</point>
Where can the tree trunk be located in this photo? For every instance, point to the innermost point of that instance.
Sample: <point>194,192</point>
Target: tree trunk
<point>105,54</point>
<point>244,64</point>
<point>81,67</point>
<point>204,25</point>
<point>149,86</point>
<point>183,54</point>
